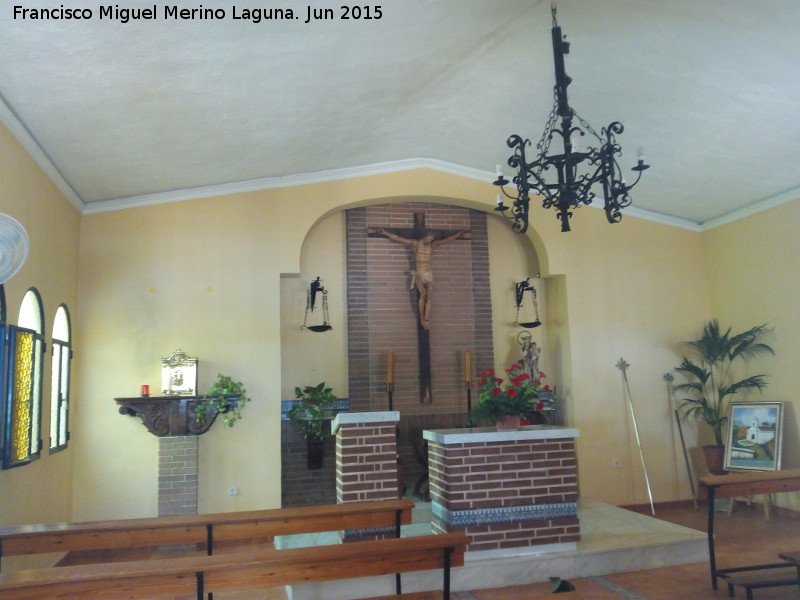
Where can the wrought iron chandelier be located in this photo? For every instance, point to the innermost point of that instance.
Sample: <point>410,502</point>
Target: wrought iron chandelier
<point>570,188</point>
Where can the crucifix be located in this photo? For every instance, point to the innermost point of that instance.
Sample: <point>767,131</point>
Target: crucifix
<point>422,242</point>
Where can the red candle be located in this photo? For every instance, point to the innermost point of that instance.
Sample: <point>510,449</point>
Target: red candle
<point>145,390</point>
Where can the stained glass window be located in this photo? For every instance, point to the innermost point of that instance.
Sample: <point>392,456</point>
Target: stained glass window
<point>23,402</point>
<point>59,389</point>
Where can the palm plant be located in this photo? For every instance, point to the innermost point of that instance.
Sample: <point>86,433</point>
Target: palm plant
<point>711,387</point>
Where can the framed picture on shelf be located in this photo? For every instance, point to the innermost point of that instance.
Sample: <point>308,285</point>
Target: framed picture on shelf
<point>755,436</point>
<point>178,374</point>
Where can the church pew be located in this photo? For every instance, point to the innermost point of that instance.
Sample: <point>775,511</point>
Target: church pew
<point>200,575</point>
<point>437,595</point>
<point>202,530</point>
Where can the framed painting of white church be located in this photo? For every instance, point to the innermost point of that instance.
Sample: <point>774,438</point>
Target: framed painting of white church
<point>754,436</point>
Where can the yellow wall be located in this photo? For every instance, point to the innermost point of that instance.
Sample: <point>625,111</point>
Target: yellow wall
<point>307,357</point>
<point>212,276</point>
<point>753,266</point>
<point>42,490</point>
<point>633,290</point>
<point>224,279</point>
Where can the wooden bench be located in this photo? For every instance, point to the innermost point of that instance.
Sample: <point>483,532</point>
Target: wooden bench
<point>437,595</point>
<point>198,575</point>
<point>203,530</point>
<point>759,577</point>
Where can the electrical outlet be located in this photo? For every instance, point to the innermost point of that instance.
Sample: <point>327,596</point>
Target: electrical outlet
<point>615,463</point>
<point>233,491</point>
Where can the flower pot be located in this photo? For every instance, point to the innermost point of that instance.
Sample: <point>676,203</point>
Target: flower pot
<point>315,453</point>
<point>508,423</point>
<point>715,459</point>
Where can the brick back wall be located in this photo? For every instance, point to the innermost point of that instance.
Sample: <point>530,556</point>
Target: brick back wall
<point>383,317</point>
<point>301,486</point>
<point>382,308</point>
<point>177,475</point>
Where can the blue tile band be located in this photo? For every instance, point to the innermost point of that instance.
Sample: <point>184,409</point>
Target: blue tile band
<point>340,405</point>
<point>387,529</point>
<point>504,514</point>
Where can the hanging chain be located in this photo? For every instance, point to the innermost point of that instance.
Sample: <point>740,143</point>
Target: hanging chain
<point>544,144</point>
<point>308,305</point>
<point>325,307</point>
<point>586,125</point>
<point>326,326</point>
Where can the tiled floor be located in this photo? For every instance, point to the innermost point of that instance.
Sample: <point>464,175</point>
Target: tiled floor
<point>743,538</point>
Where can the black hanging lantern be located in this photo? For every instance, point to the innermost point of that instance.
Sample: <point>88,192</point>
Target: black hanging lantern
<point>521,288</point>
<point>314,290</point>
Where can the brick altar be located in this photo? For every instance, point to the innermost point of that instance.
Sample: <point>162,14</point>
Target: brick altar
<point>366,461</point>
<point>505,489</point>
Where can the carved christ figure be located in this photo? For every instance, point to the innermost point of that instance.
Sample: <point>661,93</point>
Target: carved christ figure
<point>422,274</point>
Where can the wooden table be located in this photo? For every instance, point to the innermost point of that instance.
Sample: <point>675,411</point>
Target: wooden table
<point>743,484</point>
<point>792,557</point>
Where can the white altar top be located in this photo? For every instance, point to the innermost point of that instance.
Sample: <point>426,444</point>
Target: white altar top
<point>490,434</point>
<point>390,416</point>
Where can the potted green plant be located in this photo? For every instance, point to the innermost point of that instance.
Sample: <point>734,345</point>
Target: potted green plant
<point>226,397</point>
<point>712,381</point>
<point>311,414</point>
<point>507,404</point>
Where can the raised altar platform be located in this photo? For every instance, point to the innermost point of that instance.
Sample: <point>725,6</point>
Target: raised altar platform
<point>612,540</point>
<point>515,494</point>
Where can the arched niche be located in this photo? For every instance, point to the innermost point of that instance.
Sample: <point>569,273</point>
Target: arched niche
<point>308,358</point>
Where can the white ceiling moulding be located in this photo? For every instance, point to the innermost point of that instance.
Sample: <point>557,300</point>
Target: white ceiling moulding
<point>266,183</point>
<point>35,150</point>
<point>752,209</point>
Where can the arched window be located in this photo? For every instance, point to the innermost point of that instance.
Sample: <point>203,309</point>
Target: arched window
<point>59,391</point>
<point>23,402</point>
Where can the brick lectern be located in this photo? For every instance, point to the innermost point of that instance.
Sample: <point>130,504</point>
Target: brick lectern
<point>366,461</point>
<point>505,489</point>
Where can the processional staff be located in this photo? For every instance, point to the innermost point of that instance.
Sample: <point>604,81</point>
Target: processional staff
<point>623,366</point>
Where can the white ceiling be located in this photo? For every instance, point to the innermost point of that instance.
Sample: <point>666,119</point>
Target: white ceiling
<point>152,110</point>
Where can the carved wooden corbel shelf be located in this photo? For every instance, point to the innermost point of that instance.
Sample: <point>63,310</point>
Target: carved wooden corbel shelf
<point>167,415</point>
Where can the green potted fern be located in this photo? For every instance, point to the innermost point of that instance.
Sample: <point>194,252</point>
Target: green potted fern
<point>312,414</point>
<point>226,397</point>
<point>711,382</point>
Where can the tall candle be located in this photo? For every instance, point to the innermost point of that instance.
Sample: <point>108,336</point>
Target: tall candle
<point>468,366</point>
<point>390,368</point>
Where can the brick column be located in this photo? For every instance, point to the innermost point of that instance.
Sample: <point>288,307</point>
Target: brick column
<point>177,475</point>
<point>505,489</point>
<point>366,461</point>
